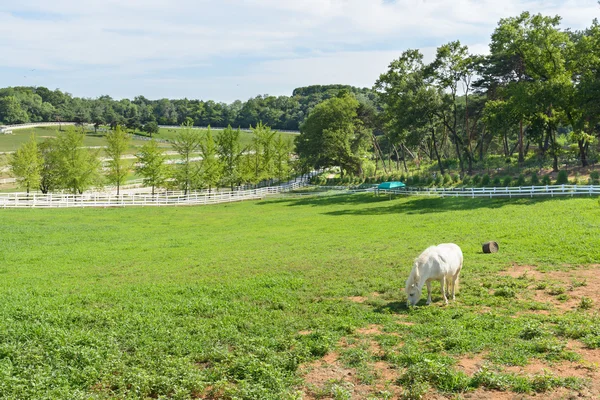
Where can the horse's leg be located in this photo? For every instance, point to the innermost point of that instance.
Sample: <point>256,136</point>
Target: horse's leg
<point>454,282</point>
<point>428,292</point>
<point>443,283</point>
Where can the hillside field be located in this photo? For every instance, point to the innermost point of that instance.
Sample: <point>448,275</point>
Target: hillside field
<point>299,298</point>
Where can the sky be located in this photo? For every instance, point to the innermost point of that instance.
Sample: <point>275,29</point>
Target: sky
<point>225,50</point>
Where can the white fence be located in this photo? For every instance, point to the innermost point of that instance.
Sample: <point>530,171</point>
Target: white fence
<point>522,191</point>
<point>22,200</point>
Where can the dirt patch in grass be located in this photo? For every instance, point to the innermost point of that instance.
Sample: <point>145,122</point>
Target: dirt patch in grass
<point>304,333</point>
<point>362,299</point>
<point>549,287</point>
<point>358,299</point>
<point>370,330</point>
<point>471,364</point>
<point>481,394</point>
<point>321,375</point>
<point>517,271</point>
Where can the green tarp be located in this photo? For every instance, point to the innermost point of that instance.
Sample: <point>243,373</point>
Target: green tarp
<point>391,185</point>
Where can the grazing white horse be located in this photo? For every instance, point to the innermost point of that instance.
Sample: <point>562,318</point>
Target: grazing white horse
<point>437,263</point>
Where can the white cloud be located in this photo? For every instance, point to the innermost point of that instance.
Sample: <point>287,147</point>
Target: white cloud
<point>291,42</point>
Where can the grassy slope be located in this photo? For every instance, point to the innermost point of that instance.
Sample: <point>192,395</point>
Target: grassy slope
<point>169,301</point>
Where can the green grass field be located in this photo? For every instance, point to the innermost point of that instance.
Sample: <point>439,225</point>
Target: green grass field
<point>297,298</point>
<point>20,136</point>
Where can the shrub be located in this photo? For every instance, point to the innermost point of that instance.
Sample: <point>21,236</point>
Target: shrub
<point>438,180</point>
<point>534,179</point>
<point>546,180</point>
<point>531,331</point>
<point>455,178</point>
<point>415,180</point>
<point>562,178</point>
<point>507,181</point>
<point>586,303</point>
<point>476,180</point>
<point>447,179</point>
<point>594,178</point>
<point>485,180</point>
<point>497,181</point>
<point>505,291</point>
<point>520,180</point>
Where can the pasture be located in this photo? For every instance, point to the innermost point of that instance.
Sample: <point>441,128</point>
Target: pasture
<point>299,298</point>
<point>13,142</point>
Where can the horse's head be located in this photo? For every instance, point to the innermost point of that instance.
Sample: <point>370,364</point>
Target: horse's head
<point>413,290</point>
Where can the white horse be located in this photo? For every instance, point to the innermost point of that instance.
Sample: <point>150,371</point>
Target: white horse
<point>437,263</point>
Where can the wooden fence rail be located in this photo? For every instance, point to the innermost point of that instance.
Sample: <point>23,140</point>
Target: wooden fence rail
<point>54,200</point>
<point>491,192</point>
<point>57,200</point>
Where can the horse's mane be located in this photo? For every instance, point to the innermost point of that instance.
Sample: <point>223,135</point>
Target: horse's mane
<point>419,261</point>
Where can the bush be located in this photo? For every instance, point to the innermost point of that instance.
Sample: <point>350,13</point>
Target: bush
<point>520,180</point>
<point>447,179</point>
<point>562,178</point>
<point>546,180</point>
<point>497,181</point>
<point>594,178</point>
<point>456,178</point>
<point>485,180</point>
<point>438,180</point>
<point>507,181</point>
<point>534,179</point>
<point>476,180</point>
<point>415,180</point>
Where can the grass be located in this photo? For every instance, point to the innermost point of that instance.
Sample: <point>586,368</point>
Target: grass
<point>20,136</point>
<point>209,301</point>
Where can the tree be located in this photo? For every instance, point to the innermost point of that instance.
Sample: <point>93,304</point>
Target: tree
<point>411,104</point>
<point>333,135</point>
<point>210,169</point>
<point>11,111</point>
<point>263,148</point>
<point>230,152</point>
<point>117,143</point>
<point>79,167</point>
<point>151,128</point>
<point>26,164</point>
<point>186,143</point>
<point>151,165</point>
<point>50,168</point>
<point>282,151</point>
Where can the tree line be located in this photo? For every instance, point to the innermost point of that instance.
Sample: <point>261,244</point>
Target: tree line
<point>205,161</point>
<point>535,96</point>
<point>39,104</point>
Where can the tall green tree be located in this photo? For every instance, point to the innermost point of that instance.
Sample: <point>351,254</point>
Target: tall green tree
<point>151,165</point>
<point>230,151</point>
<point>263,148</point>
<point>187,142</point>
<point>282,153</point>
<point>79,167</point>
<point>333,135</point>
<point>210,168</point>
<point>50,169</point>
<point>26,164</point>
<point>411,104</point>
<point>117,144</point>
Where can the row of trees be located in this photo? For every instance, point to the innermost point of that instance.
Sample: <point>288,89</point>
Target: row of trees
<point>39,104</point>
<point>538,89</point>
<point>205,161</point>
<point>538,81</point>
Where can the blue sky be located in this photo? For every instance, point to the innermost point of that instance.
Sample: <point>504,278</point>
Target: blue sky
<point>236,49</point>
